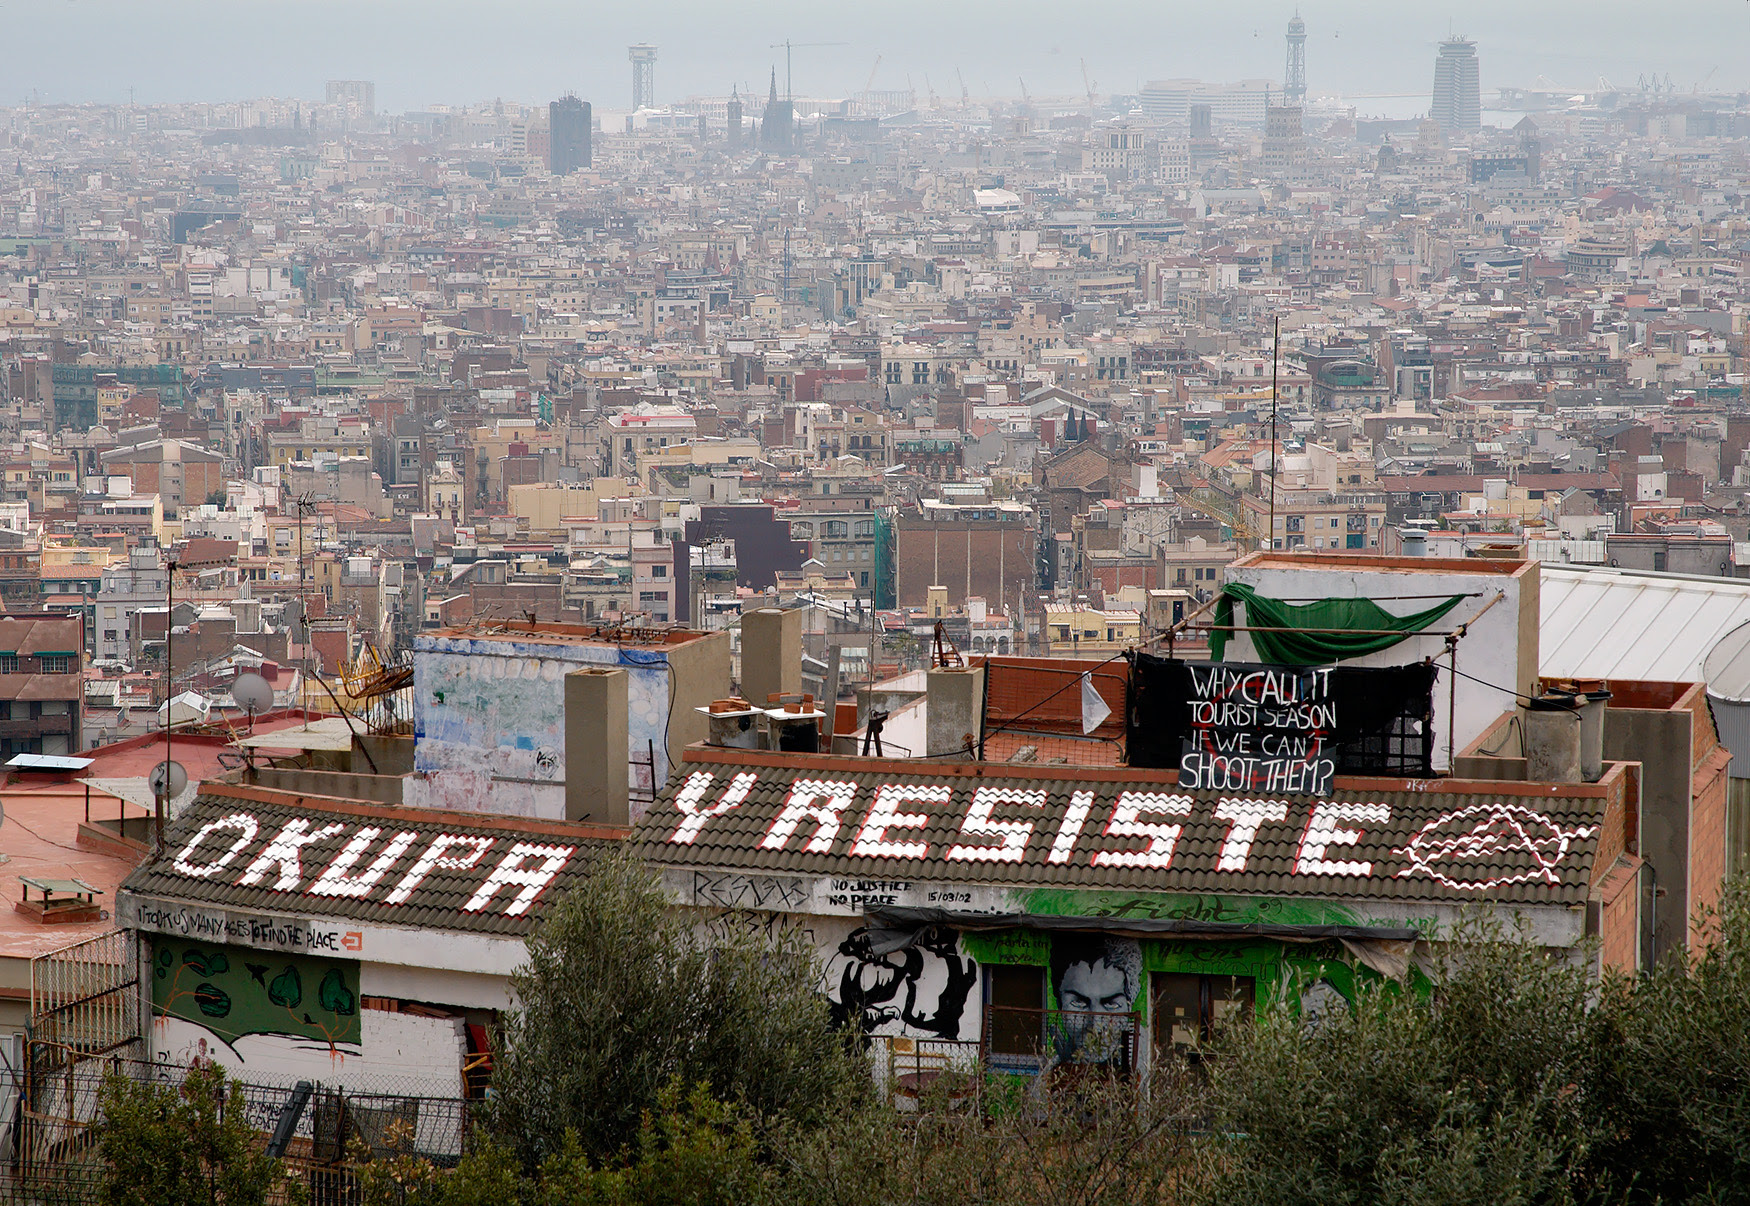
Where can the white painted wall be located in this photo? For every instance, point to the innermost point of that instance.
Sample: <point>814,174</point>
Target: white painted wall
<point>398,1053</point>
<point>465,990</point>
<point>1490,651</point>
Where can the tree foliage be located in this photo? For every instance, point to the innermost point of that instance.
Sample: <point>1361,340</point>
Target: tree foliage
<point>184,1145</point>
<point>621,998</point>
<point>1672,1074</point>
<point>1518,1079</point>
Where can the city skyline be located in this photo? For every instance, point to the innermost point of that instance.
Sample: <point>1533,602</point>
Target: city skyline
<point>101,51</point>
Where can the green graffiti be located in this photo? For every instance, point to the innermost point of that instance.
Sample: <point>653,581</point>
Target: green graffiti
<point>1070,902</point>
<point>223,990</point>
<point>214,1002</point>
<point>206,963</point>
<point>287,989</point>
<point>334,995</point>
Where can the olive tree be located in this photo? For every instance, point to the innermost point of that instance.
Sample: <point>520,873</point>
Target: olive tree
<point>622,997</point>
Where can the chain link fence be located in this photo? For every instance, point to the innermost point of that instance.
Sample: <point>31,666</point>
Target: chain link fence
<point>49,1144</point>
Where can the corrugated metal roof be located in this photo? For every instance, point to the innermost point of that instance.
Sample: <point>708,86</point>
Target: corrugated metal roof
<point>1622,624</point>
<point>381,865</point>
<point>849,818</point>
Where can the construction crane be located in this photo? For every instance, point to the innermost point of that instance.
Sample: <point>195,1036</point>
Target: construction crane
<point>929,90</point>
<point>1025,98</point>
<point>1089,84</point>
<point>788,46</point>
<point>868,98</point>
<point>965,96</point>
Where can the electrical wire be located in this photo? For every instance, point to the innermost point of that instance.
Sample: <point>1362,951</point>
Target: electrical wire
<point>1484,682</point>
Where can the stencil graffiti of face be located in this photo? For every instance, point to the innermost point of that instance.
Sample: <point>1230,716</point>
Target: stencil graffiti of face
<point>920,990</point>
<point>1097,980</point>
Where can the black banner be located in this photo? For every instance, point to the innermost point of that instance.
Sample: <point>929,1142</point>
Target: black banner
<point>1238,726</point>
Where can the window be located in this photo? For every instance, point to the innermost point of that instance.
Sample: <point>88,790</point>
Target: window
<point>8,663</point>
<point>1180,576</point>
<point>1186,1008</point>
<point>58,663</point>
<point>1016,1008</point>
<point>659,571</point>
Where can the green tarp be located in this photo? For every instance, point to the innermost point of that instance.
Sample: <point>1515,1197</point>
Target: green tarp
<point>1288,643</point>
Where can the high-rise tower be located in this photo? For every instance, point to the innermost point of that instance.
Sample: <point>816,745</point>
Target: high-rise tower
<point>1294,74</point>
<point>1457,105</point>
<point>568,135</point>
<point>732,130</point>
<point>643,57</point>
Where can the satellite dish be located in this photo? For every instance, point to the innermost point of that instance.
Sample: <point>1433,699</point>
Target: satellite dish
<point>178,780</point>
<point>252,693</point>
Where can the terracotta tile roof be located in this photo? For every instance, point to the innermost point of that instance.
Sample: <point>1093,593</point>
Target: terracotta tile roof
<point>27,635</point>
<point>419,868</point>
<point>1100,827</point>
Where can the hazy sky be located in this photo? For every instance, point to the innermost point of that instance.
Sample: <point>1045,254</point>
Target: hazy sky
<point>421,52</point>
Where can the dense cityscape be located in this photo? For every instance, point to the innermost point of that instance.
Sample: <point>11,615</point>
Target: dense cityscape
<point>1088,571</point>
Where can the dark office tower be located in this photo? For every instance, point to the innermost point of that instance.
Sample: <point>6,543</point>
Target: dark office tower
<point>568,130</point>
<point>1530,146</point>
<point>1457,106</point>
<point>777,127</point>
<point>1202,118</point>
<point>357,94</point>
<point>1294,75</point>
<point>732,134</point>
<point>643,58</point>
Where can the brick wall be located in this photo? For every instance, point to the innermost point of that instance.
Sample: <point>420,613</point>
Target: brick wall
<point>924,551</point>
<point>1707,839</point>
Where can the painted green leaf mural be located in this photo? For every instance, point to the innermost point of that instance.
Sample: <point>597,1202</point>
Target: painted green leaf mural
<point>206,963</point>
<point>234,992</point>
<point>287,989</point>
<point>214,1002</point>
<point>335,997</point>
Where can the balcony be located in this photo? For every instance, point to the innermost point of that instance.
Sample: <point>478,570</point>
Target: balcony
<point>1032,1042</point>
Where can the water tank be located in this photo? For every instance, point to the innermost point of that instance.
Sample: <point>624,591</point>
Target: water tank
<point>1727,672</point>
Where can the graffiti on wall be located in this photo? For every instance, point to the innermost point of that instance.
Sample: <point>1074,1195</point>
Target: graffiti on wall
<point>922,990</point>
<point>498,707</point>
<point>1097,980</point>
<point>235,991</point>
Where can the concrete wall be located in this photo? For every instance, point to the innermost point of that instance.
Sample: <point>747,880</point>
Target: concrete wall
<point>1661,741</point>
<point>385,789</point>
<point>771,653</point>
<point>1501,648</point>
<point>489,716</point>
<point>700,674</point>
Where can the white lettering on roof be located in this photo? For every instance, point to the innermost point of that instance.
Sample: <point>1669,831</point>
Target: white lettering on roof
<point>336,880</point>
<point>1074,818</point>
<point>1244,817</point>
<point>1145,830</point>
<point>242,822</point>
<point>811,799</point>
<point>527,868</point>
<point>283,850</point>
<point>979,823</point>
<point>434,858</point>
<point>512,873</point>
<point>1127,821</point>
<point>692,794</point>
<point>1323,830</point>
<point>884,814</point>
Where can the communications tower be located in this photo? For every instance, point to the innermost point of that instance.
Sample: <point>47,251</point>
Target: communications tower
<point>1294,75</point>
<point>643,58</point>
